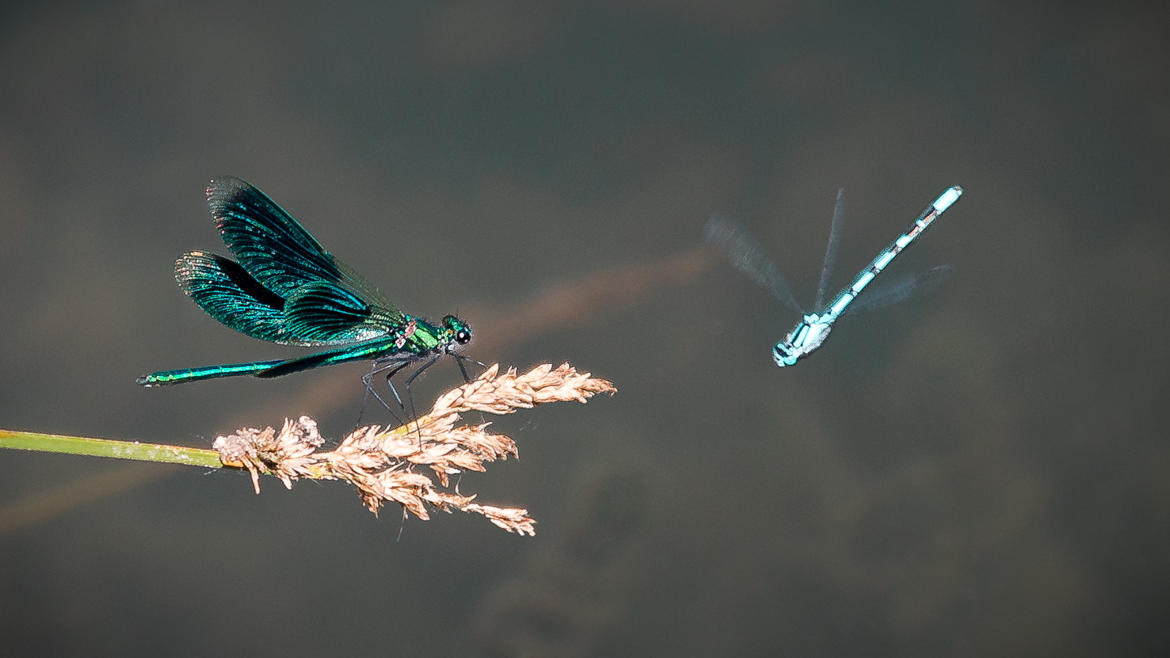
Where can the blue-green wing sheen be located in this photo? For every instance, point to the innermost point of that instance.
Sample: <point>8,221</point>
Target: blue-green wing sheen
<point>272,246</point>
<point>319,313</point>
<point>227,293</point>
<point>327,312</point>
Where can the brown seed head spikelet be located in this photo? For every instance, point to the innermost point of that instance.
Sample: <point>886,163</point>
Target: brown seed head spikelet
<point>391,465</point>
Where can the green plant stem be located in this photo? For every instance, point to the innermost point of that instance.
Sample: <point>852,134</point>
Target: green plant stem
<point>82,445</point>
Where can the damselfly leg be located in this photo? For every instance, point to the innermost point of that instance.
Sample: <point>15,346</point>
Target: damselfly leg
<point>389,368</point>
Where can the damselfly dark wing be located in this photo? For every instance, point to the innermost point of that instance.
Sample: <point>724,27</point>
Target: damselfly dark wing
<point>286,288</point>
<point>269,244</point>
<point>229,294</point>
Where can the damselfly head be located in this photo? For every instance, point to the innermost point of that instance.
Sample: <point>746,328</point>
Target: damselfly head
<point>459,330</point>
<point>783,356</point>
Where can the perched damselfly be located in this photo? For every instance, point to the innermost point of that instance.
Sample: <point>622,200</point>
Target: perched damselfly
<point>285,288</point>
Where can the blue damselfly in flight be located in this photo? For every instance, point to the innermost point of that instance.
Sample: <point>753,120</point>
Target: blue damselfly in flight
<point>814,327</point>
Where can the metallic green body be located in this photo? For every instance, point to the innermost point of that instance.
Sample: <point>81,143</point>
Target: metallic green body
<point>286,288</point>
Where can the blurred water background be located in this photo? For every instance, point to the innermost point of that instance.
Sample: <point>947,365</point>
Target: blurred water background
<point>981,472</point>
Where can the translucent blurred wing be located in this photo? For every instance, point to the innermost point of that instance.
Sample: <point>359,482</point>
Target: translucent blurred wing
<point>748,257</point>
<point>271,246</point>
<point>830,251</point>
<point>901,288</point>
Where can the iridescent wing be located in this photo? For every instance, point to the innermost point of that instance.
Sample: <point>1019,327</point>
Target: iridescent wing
<point>229,294</point>
<point>273,247</point>
<point>330,312</point>
<point>323,313</point>
<point>285,288</point>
